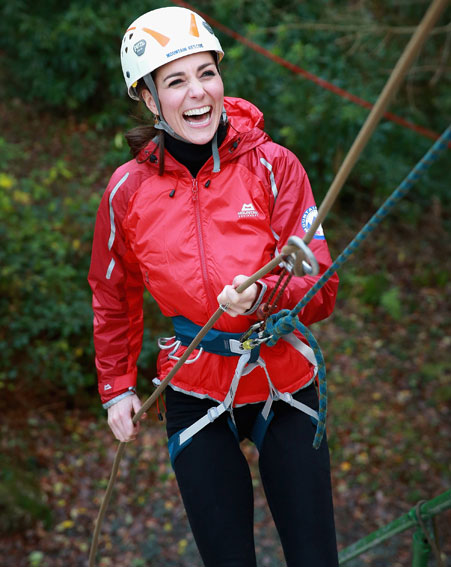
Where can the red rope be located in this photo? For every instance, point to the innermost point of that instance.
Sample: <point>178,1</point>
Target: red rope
<point>309,76</point>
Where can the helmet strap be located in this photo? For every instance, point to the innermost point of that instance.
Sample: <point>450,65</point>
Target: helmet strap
<point>161,124</point>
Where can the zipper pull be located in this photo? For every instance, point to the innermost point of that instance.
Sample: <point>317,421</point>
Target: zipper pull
<point>195,190</point>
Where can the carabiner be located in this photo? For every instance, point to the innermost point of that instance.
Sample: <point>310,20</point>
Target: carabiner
<point>249,344</point>
<point>252,329</point>
<point>301,264</point>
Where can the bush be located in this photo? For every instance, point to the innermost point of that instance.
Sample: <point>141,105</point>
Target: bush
<point>45,310</point>
<point>47,216</point>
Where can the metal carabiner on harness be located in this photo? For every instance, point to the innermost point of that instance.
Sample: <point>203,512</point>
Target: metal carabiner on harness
<point>248,342</point>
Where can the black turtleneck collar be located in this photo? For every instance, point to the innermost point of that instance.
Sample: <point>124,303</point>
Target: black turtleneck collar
<point>192,156</point>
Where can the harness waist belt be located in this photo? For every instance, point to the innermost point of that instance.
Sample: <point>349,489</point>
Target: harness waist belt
<point>215,341</point>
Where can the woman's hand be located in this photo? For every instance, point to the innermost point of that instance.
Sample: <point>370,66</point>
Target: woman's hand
<point>238,303</point>
<point>120,418</point>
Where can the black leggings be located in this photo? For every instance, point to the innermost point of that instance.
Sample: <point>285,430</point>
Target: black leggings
<point>216,486</point>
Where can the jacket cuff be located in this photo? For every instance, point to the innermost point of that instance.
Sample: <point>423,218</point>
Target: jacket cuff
<point>117,399</point>
<point>109,389</point>
<point>257,302</point>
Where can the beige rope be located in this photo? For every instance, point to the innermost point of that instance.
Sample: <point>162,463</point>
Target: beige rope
<point>405,61</point>
<point>359,144</point>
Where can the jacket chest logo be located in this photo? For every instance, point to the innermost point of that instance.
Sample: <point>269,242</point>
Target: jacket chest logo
<point>247,210</point>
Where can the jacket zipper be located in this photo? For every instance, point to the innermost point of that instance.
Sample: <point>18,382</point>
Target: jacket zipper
<point>200,242</point>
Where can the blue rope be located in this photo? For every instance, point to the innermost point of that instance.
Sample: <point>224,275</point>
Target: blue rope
<point>286,321</point>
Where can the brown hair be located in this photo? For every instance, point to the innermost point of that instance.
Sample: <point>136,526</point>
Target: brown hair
<point>138,137</point>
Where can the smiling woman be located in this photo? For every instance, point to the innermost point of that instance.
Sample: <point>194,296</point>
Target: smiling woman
<point>206,181</point>
<point>191,95</point>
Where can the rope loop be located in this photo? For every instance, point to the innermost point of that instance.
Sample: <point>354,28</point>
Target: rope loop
<point>279,324</point>
<point>283,323</point>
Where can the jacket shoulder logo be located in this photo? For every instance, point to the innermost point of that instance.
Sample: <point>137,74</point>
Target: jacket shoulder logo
<point>307,220</point>
<point>247,210</point>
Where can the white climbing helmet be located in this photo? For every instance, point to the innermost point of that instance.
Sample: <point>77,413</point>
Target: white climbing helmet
<point>161,36</point>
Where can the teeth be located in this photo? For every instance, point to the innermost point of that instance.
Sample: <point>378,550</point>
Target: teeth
<point>197,111</point>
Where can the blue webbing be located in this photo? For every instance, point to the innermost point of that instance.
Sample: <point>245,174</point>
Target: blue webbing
<point>286,321</point>
<point>215,341</point>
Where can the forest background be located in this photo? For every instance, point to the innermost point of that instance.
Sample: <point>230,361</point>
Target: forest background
<point>63,113</point>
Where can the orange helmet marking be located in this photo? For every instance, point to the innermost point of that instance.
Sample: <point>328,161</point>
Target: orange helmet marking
<point>162,39</point>
<point>193,26</point>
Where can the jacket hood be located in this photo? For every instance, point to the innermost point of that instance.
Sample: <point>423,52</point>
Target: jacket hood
<point>245,131</point>
<point>243,115</point>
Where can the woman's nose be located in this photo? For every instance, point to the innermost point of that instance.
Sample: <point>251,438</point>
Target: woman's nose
<point>196,90</point>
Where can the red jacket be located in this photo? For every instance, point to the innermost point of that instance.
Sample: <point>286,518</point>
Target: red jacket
<point>184,238</point>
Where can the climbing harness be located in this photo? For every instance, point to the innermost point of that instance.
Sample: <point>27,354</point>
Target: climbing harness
<point>247,347</point>
<point>277,326</point>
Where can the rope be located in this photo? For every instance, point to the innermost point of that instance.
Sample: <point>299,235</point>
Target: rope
<point>412,49</point>
<point>402,66</point>
<point>307,74</point>
<point>403,189</point>
<point>420,169</point>
<point>286,321</point>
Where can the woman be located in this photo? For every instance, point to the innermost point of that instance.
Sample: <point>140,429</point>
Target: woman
<point>208,198</point>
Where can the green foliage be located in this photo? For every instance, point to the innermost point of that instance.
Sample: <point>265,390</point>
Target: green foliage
<point>65,56</point>
<point>373,289</point>
<point>47,217</point>
<point>45,311</point>
<point>68,57</point>
<point>21,501</point>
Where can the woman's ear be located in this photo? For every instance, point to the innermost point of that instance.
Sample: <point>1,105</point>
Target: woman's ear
<point>149,102</point>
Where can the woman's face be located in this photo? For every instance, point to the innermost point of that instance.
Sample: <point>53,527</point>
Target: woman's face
<point>191,96</point>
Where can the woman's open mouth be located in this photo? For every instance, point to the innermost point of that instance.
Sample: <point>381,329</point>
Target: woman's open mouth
<point>198,116</point>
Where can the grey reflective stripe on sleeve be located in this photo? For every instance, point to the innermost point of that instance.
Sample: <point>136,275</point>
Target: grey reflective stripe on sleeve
<point>274,189</point>
<point>275,193</point>
<point>110,268</point>
<point>118,399</point>
<point>112,224</point>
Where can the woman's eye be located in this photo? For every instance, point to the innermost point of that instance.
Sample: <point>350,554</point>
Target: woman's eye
<point>175,82</point>
<point>209,73</point>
